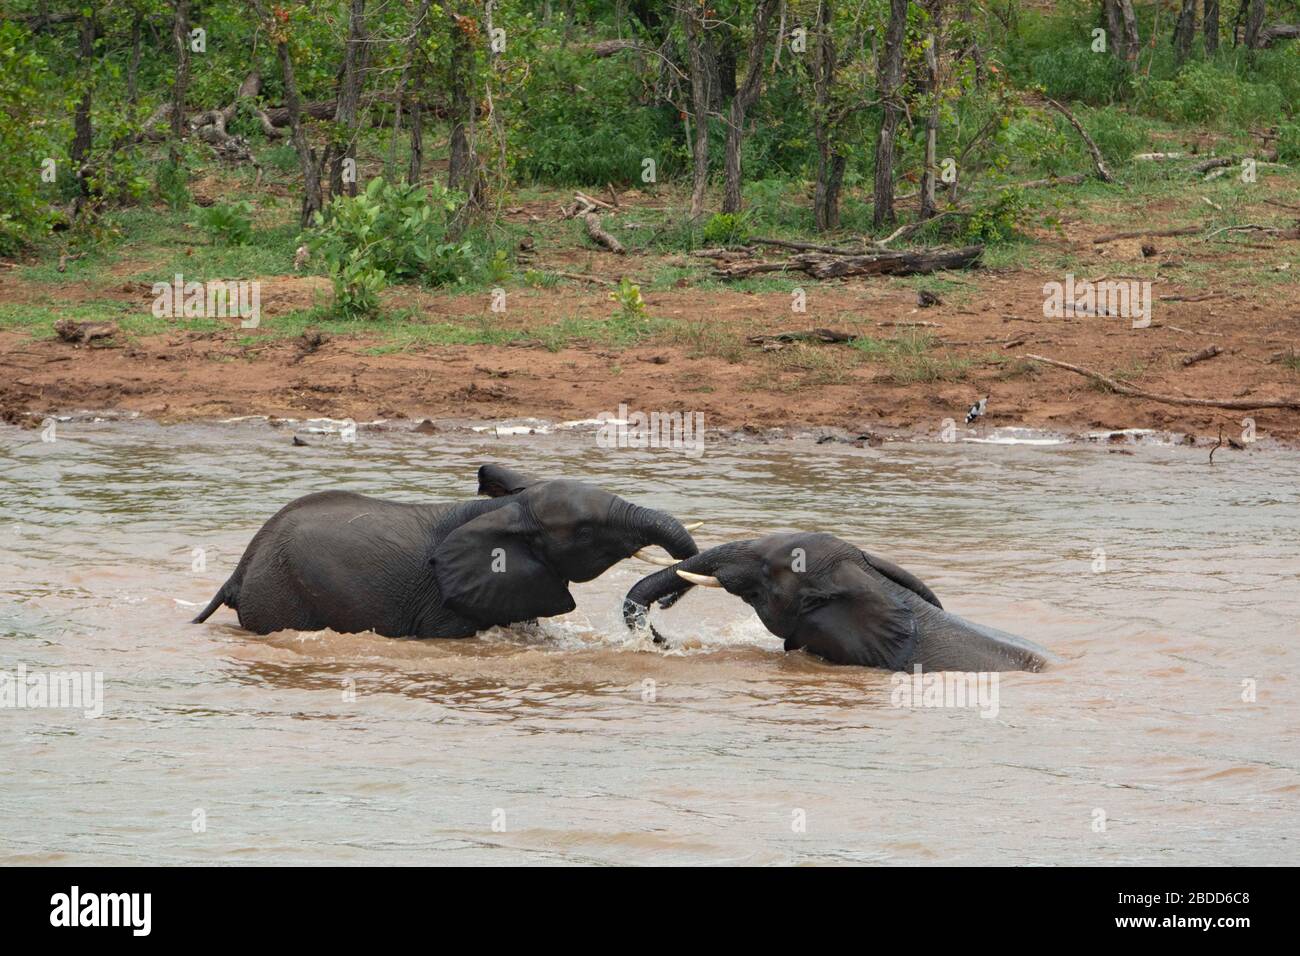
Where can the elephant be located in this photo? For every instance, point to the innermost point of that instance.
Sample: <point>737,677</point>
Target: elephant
<point>353,563</point>
<point>830,598</point>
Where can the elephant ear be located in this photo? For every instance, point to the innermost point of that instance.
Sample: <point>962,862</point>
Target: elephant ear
<point>487,571</point>
<point>908,580</point>
<point>495,481</point>
<point>854,620</point>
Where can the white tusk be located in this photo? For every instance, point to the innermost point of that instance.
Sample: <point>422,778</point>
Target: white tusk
<point>693,525</point>
<point>701,579</point>
<point>645,555</point>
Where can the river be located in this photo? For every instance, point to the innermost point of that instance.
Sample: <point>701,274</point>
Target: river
<point>1168,734</point>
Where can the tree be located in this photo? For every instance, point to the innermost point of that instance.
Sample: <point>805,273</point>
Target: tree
<point>83,133</point>
<point>1184,30</point>
<point>464,172</point>
<point>702,87</point>
<point>181,82</point>
<point>1254,23</point>
<point>278,29</point>
<point>890,80</point>
<point>830,156</point>
<point>746,94</point>
<point>348,101</point>
<point>417,69</point>
<point>1121,27</point>
<point>934,88</point>
<point>1210,27</point>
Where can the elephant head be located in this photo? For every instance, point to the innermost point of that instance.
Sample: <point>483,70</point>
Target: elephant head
<point>828,597</point>
<point>514,557</point>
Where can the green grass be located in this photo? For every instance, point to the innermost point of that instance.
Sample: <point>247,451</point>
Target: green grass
<point>134,319</point>
<point>910,358</point>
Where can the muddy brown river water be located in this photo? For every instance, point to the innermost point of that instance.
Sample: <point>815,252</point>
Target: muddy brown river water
<point>1169,734</point>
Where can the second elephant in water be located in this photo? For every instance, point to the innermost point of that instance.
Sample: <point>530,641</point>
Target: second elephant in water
<point>827,597</point>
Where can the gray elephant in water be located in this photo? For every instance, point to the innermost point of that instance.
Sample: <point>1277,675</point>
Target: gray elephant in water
<point>353,563</point>
<point>831,599</point>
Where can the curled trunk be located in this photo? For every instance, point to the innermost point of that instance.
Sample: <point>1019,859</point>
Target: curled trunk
<point>654,527</point>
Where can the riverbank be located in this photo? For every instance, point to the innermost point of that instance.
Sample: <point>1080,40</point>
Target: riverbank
<point>553,337</point>
<point>910,370</point>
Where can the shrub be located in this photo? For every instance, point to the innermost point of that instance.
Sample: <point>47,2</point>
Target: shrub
<point>227,224</point>
<point>631,307</point>
<point>726,229</point>
<point>390,232</point>
<point>24,214</point>
<point>997,223</point>
<point>583,122</point>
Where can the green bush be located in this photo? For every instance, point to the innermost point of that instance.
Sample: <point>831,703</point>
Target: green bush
<point>389,232</point>
<point>172,183</point>
<point>997,222</point>
<point>1117,134</point>
<point>583,121</point>
<point>1288,143</point>
<point>726,229</point>
<point>25,213</point>
<point>227,224</point>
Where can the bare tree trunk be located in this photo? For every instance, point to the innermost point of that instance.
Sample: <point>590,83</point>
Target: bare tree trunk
<point>312,201</point>
<point>1184,30</point>
<point>1210,27</point>
<point>348,102</point>
<point>745,96</point>
<point>181,83</point>
<point>1132,43</point>
<point>1254,24</point>
<point>412,90</point>
<point>1121,29</point>
<point>83,133</point>
<point>830,159</point>
<point>1114,28</point>
<point>462,167</point>
<point>700,91</point>
<point>932,121</point>
<point>889,71</point>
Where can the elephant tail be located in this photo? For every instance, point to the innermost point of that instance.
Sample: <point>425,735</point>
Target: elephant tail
<point>220,598</point>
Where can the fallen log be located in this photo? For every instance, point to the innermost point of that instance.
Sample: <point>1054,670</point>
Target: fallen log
<point>811,335</point>
<point>825,266</point>
<point>1206,353</point>
<point>600,236</point>
<point>809,247</point>
<point>751,269</point>
<point>1142,233</point>
<point>1278,31</point>
<point>820,266</point>
<point>1218,162</point>
<point>579,277</point>
<point>1122,389</point>
<point>79,333</point>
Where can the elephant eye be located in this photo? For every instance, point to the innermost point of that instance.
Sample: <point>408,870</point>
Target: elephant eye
<point>585,532</point>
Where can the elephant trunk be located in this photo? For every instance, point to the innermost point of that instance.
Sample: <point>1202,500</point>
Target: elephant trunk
<point>648,526</point>
<point>667,586</point>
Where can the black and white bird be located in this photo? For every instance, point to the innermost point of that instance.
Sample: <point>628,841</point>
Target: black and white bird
<point>977,409</point>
